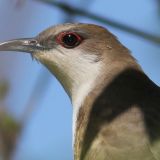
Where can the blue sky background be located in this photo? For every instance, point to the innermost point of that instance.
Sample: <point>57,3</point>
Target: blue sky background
<point>47,132</point>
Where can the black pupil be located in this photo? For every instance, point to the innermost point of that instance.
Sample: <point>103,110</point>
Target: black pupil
<point>70,40</point>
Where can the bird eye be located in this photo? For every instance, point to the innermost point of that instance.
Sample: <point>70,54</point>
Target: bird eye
<point>69,39</point>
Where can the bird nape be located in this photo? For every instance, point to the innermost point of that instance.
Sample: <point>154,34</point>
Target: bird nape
<point>116,107</point>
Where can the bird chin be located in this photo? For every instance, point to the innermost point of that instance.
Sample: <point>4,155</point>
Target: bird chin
<point>38,56</point>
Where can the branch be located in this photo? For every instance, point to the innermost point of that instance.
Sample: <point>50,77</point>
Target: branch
<point>9,130</point>
<point>80,12</point>
<point>9,127</point>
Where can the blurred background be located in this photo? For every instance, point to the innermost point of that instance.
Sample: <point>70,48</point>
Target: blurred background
<point>35,112</point>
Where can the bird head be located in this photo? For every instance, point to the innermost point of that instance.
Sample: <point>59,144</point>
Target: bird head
<point>77,54</point>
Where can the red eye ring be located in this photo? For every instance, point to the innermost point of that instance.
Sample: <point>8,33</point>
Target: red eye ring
<point>69,39</point>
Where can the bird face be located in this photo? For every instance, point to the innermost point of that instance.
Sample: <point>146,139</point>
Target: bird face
<point>77,54</point>
<point>72,52</point>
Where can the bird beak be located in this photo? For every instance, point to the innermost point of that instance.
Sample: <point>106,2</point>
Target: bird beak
<point>23,45</point>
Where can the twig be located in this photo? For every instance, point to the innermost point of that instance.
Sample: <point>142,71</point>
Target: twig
<point>80,12</point>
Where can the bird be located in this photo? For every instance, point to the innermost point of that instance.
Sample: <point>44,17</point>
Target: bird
<point>116,106</point>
